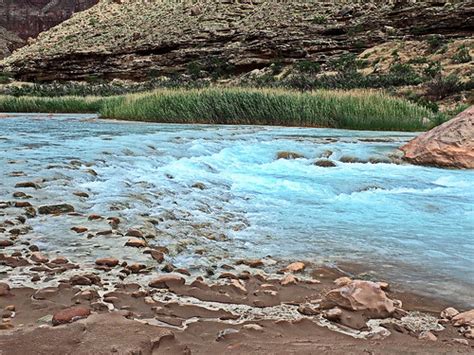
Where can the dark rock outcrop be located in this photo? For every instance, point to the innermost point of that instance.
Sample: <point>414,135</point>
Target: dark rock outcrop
<point>225,35</point>
<point>24,19</point>
<point>449,145</point>
<point>28,18</point>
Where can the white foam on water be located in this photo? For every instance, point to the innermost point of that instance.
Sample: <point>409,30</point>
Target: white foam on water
<point>411,224</point>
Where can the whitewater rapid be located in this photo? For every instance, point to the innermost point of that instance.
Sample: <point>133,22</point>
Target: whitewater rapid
<point>215,194</point>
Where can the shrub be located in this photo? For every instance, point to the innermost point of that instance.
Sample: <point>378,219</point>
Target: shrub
<point>306,66</point>
<point>433,70</point>
<point>320,19</point>
<point>5,78</point>
<point>462,55</point>
<point>444,86</point>
<point>435,42</point>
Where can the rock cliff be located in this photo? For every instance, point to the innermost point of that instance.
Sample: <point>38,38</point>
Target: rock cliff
<point>449,145</point>
<point>9,42</point>
<point>27,18</point>
<point>131,39</point>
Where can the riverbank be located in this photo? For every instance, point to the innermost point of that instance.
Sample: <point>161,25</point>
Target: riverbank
<point>355,109</point>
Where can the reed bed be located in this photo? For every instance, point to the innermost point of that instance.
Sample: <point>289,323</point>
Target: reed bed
<point>364,109</point>
<point>64,104</point>
<point>361,109</point>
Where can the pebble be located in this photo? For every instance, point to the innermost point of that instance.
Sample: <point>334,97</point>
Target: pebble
<point>295,267</point>
<point>61,260</point>
<point>81,194</point>
<point>289,280</point>
<point>38,257</point>
<point>5,243</point>
<point>342,281</point>
<point>27,184</point>
<point>4,289</point>
<point>254,327</point>
<point>22,204</point>
<point>136,243</point>
<point>157,255</point>
<point>79,229</point>
<point>238,286</point>
<point>94,217</point>
<point>56,209</point>
<point>428,336</point>
<point>110,262</point>
<point>461,341</point>
<point>69,315</point>
<point>167,281</point>
<point>134,233</point>
<point>333,314</point>
<point>6,326</point>
<point>136,268</point>
<point>225,333</point>
<point>449,313</point>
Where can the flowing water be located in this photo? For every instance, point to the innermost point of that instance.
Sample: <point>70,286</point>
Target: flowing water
<point>214,194</point>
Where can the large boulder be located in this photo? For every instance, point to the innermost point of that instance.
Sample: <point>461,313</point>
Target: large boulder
<point>449,145</point>
<point>359,295</point>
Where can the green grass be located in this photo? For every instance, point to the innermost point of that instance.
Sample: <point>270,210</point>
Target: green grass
<point>338,109</point>
<point>64,104</point>
<point>361,109</point>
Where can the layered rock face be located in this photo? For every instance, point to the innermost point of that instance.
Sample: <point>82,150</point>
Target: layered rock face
<point>448,145</point>
<point>133,39</point>
<point>28,18</point>
<point>9,42</point>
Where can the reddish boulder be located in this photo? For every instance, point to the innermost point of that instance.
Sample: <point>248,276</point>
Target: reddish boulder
<point>449,145</point>
<point>464,319</point>
<point>136,243</point>
<point>4,289</point>
<point>360,295</point>
<point>71,314</point>
<point>167,281</point>
<point>111,262</point>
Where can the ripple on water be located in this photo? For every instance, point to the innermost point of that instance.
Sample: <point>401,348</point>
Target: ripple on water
<point>412,224</point>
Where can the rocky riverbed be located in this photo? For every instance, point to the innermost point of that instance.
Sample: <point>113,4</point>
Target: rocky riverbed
<point>136,238</point>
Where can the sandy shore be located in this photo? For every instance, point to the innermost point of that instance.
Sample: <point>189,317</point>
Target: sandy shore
<point>245,311</point>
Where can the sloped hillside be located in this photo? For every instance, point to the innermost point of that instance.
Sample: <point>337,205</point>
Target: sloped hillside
<point>136,39</point>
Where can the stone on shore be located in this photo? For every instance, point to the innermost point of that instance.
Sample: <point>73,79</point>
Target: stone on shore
<point>71,314</point>
<point>449,313</point>
<point>295,267</point>
<point>360,295</point>
<point>4,289</point>
<point>464,319</point>
<point>38,257</point>
<point>110,262</point>
<point>167,281</point>
<point>449,145</point>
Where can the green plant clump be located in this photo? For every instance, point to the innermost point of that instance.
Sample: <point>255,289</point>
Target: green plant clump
<point>338,109</point>
<point>462,55</point>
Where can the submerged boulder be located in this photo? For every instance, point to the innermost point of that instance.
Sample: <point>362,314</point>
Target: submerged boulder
<point>449,145</point>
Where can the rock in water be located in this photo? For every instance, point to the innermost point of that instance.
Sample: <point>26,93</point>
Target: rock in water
<point>449,145</point>
<point>360,295</point>
<point>56,209</point>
